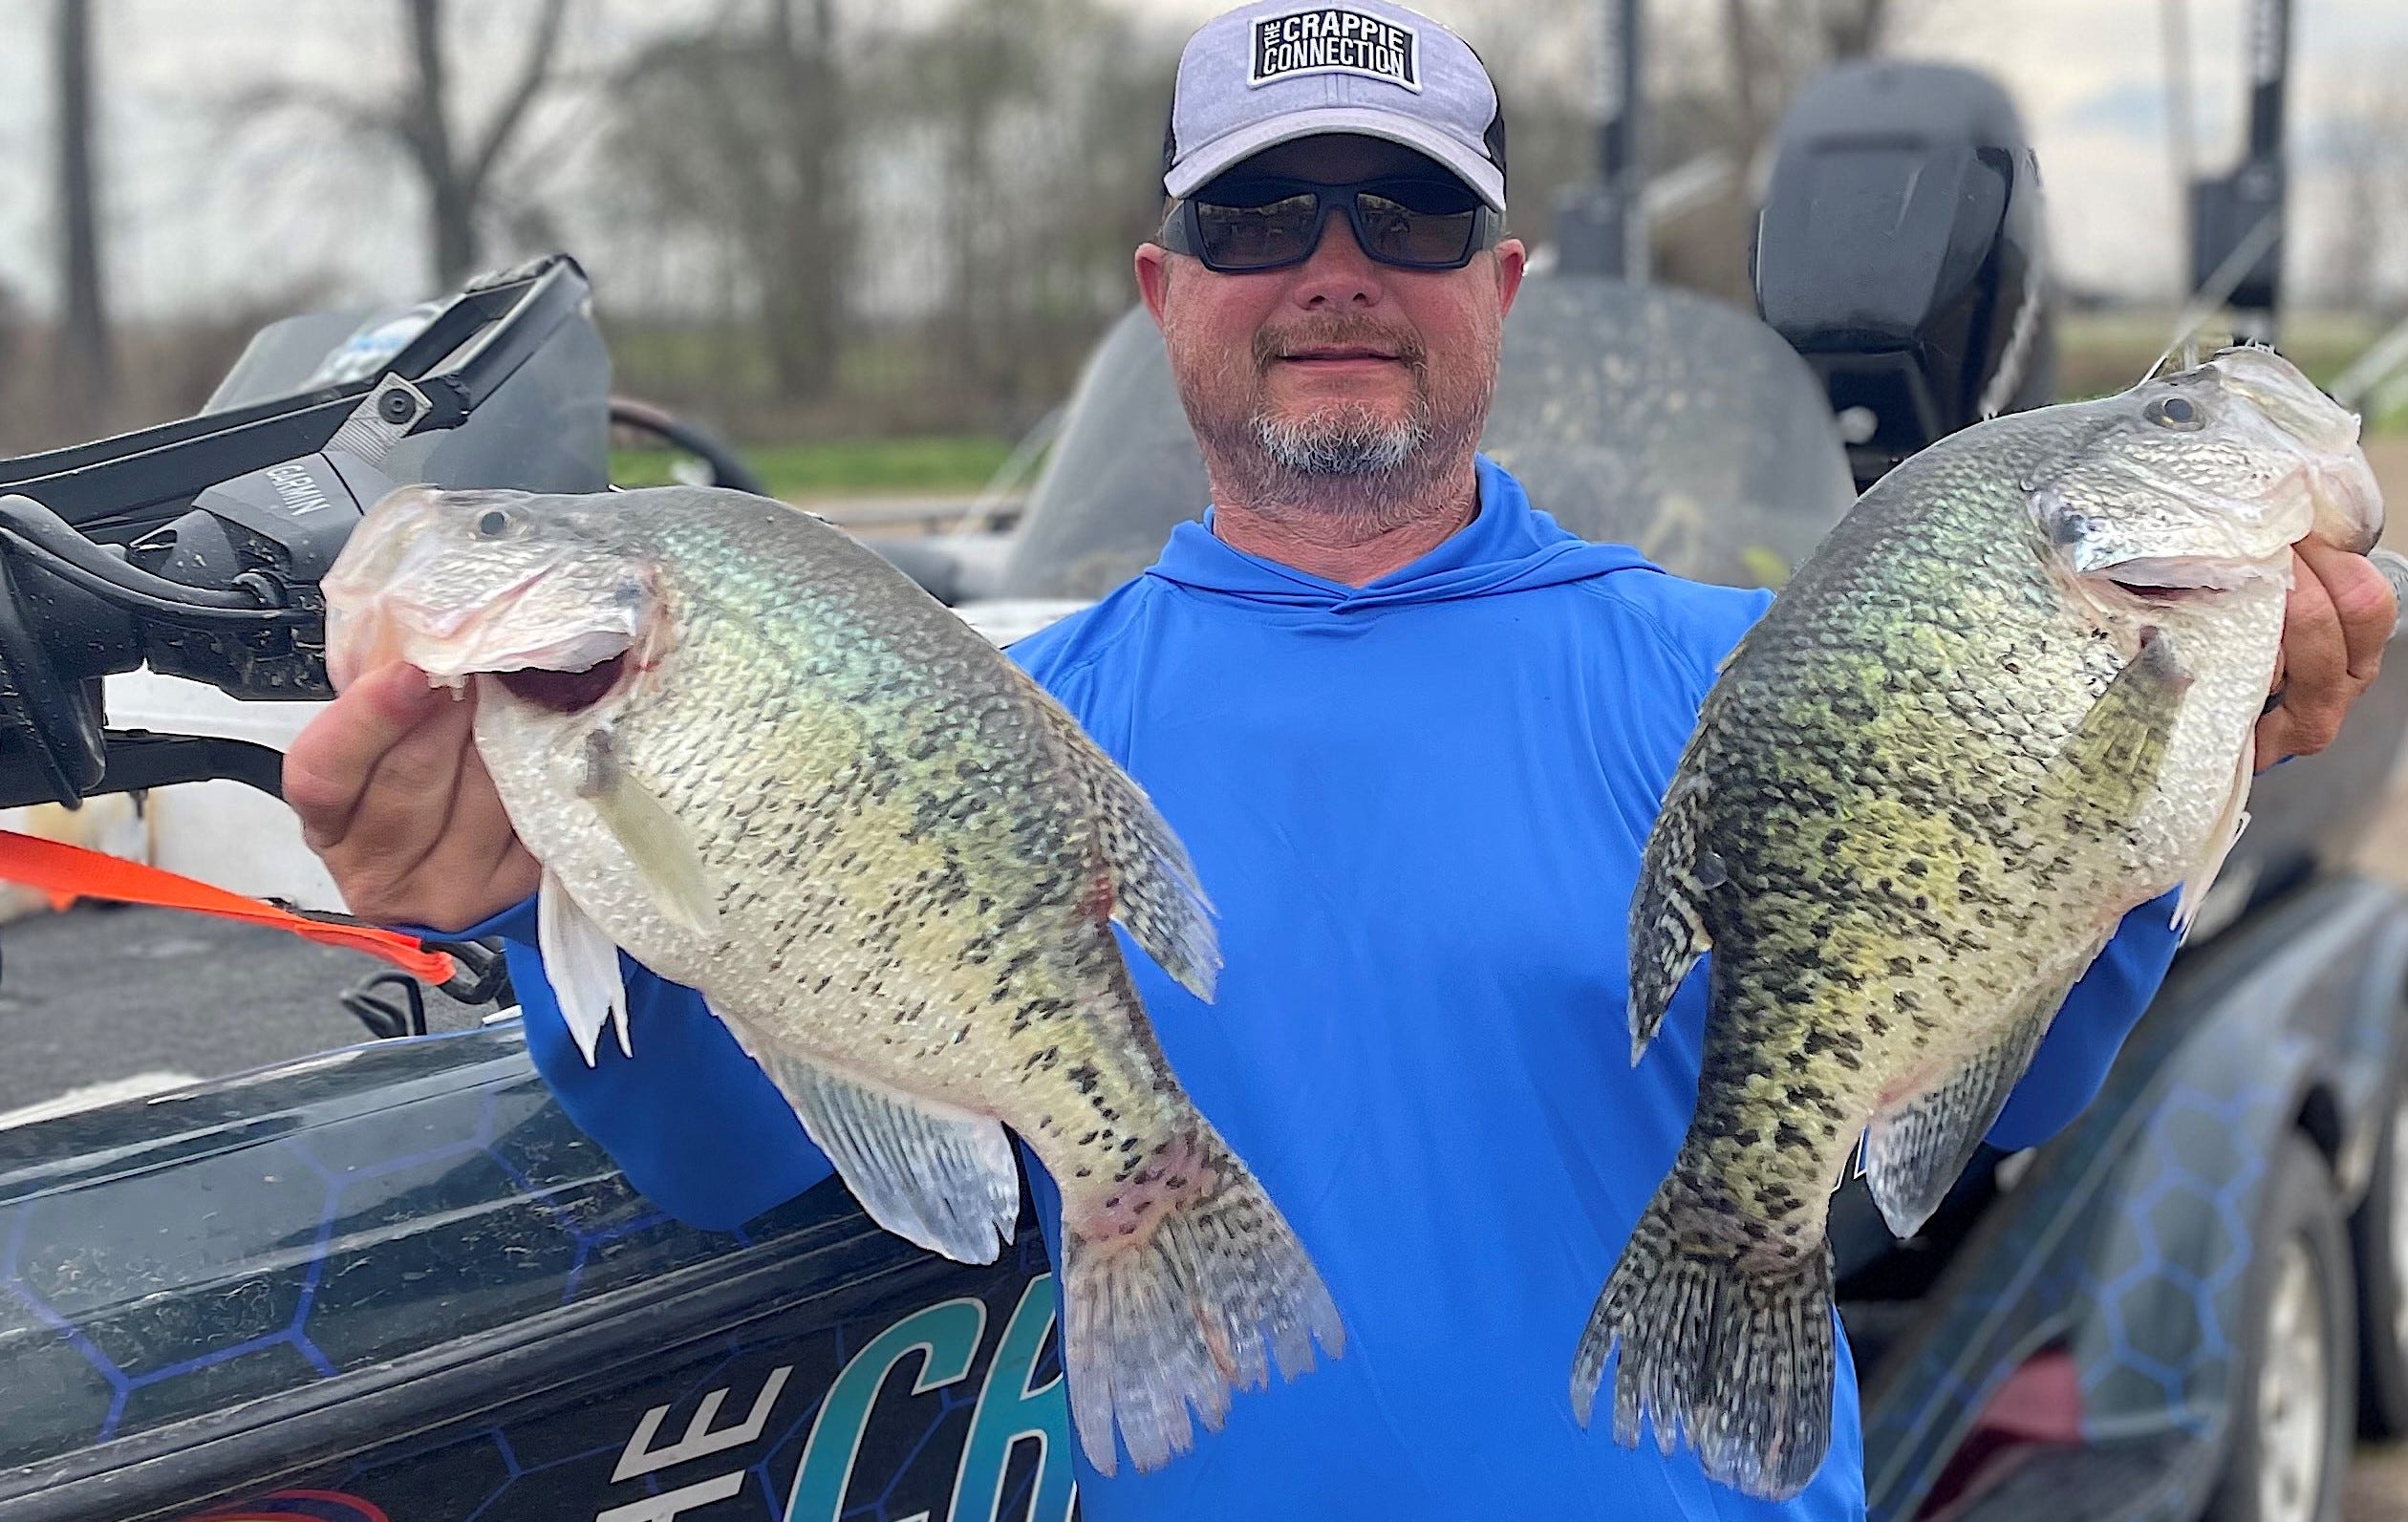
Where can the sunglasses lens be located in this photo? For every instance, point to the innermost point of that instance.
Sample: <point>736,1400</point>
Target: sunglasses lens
<point>1395,231</point>
<point>1258,236</point>
<point>1418,223</point>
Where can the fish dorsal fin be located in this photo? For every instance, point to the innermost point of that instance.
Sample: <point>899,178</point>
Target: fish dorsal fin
<point>943,1179</point>
<point>1667,918</point>
<point>657,845</point>
<point>1156,894</point>
<point>1915,1149</point>
<point>582,964</point>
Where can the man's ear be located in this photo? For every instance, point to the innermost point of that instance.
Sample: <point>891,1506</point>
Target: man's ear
<point>1512,258</point>
<point>1153,278</point>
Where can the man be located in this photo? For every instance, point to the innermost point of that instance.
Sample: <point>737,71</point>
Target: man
<point>1414,736</point>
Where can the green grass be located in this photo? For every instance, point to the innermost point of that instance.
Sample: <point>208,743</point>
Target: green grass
<point>844,467</point>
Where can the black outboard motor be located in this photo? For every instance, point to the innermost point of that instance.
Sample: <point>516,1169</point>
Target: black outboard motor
<point>1901,250</point>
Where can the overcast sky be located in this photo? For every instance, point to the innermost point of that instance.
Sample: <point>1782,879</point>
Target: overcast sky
<point>205,211</point>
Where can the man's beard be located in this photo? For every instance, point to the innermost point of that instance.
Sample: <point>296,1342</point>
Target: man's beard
<point>1345,441</point>
<point>1345,461</point>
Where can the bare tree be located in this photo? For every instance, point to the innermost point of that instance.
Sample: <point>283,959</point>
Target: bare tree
<point>455,165</point>
<point>738,135</point>
<point>804,312</point>
<point>456,179</point>
<point>88,375</point>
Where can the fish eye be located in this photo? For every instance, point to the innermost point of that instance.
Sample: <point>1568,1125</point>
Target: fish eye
<point>492,523</point>
<point>2174,412</point>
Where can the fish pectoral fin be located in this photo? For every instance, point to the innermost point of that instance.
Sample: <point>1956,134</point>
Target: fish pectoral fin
<point>2230,821</point>
<point>660,848</point>
<point>944,1179</point>
<point>1668,918</point>
<point>581,962</point>
<point>2111,761</point>
<point>1915,1149</point>
<point>1156,894</point>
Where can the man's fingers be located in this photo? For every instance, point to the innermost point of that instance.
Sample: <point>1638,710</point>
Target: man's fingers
<point>330,761</point>
<point>404,812</point>
<point>2334,627</point>
<point>2361,599</point>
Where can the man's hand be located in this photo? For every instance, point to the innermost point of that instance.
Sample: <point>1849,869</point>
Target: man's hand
<point>394,800</point>
<point>2340,618</point>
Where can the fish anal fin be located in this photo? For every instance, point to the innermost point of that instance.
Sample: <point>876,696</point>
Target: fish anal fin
<point>1915,1149</point>
<point>581,962</point>
<point>1667,915</point>
<point>1156,894</point>
<point>943,1179</point>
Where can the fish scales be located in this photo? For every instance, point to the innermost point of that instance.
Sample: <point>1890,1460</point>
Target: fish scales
<point>1925,788</point>
<point>754,756</point>
<point>885,855</point>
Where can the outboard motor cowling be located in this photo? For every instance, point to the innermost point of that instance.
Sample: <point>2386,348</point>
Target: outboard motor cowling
<point>1901,250</point>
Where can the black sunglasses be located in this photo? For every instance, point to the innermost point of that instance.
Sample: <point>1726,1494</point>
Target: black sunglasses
<point>1413,222</point>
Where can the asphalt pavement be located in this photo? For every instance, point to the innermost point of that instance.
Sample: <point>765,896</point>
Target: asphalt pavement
<point>102,995</point>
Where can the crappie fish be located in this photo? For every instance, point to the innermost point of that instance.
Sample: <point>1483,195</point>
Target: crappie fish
<point>769,767</point>
<point>2010,697</point>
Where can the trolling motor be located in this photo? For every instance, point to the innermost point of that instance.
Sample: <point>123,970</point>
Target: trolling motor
<point>1901,250</point>
<point>195,547</point>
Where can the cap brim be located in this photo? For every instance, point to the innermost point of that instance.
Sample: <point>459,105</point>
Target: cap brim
<point>1199,166</point>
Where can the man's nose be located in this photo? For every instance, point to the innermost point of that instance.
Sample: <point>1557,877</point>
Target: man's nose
<point>1338,273</point>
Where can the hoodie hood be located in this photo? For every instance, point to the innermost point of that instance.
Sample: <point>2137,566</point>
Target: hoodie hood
<point>1507,547</point>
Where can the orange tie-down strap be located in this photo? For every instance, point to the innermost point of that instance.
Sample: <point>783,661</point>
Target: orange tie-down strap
<point>68,872</point>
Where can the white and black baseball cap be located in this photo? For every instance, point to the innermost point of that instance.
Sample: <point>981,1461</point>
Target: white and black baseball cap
<point>1274,70</point>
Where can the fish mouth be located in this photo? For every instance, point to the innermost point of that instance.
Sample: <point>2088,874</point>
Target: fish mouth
<point>2164,595</point>
<point>566,691</point>
<point>2187,578</point>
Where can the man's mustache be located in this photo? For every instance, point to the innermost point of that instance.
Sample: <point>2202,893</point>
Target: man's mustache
<point>1340,332</point>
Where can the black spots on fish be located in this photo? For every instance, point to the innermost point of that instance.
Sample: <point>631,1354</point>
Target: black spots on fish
<point>1838,1043</point>
<point>1773,1201</point>
<point>1084,1077</point>
<point>1049,1059</point>
<point>1089,1139</point>
<point>1788,1134</point>
<point>1902,967</point>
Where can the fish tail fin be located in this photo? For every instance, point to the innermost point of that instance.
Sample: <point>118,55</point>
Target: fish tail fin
<point>1166,1314</point>
<point>1715,1342</point>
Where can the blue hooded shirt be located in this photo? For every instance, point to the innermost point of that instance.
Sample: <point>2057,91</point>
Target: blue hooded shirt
<point>1419,806</point>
